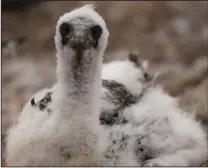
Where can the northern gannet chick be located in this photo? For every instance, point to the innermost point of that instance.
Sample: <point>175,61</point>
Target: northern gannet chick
<point>64,137</point>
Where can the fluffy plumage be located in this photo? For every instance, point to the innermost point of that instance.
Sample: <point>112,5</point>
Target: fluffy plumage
<point>158,133</point>
<point>64,137</point>
<point>120,91</point>
<point>169,135</point>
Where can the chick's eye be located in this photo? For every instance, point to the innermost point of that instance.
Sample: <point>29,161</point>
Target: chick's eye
<point>65,28</point>
<point>96,31</point>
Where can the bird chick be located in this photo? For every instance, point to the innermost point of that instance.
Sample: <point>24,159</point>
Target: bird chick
<point>64,137</point>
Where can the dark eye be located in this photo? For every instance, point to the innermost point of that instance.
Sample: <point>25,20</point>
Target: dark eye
<point>65,28</point>
<point>96,32</point>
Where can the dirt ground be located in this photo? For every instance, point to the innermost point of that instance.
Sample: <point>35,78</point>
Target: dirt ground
<point>172,36</point>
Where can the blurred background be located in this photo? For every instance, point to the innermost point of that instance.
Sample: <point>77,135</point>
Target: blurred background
<point>171,35</point>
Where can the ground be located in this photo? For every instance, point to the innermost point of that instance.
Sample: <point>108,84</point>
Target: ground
<point>171,35</point>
